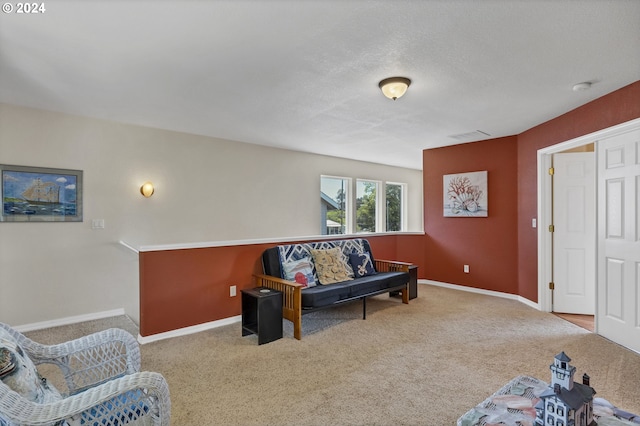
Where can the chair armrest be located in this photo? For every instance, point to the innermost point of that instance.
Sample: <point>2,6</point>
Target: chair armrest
<point>392,266</point>
<point>128,397</point>
<point>89,360</point>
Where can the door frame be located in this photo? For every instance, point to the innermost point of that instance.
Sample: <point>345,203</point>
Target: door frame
<point>544,206</point>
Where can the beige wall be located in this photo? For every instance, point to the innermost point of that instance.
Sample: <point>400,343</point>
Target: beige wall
<point>206,190</point>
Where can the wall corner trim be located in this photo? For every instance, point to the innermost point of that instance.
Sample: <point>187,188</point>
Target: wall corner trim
<point>278,240</point>
<point>189,330</point>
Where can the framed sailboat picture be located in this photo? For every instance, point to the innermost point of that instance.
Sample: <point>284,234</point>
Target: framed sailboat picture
<point>38,194</point>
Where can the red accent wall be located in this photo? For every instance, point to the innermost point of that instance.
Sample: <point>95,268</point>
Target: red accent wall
<point>182,288</point>
<point>487,244</point>
<point>502,250</point>
<point>615,108</point>
<point>187,287</point>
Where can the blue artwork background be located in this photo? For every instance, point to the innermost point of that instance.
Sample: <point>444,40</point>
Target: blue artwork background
<point>15,183</point>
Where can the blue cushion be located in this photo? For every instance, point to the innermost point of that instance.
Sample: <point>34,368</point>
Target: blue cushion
<point>324,295</point>
<point>361,264</point>
<point>378,282</point>
<point>120,410</point>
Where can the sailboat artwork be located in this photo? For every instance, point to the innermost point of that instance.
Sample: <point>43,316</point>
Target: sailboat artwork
<point>42,192</point>
<point>38,194</point>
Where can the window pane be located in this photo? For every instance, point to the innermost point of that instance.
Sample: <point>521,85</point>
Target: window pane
<point>394,195</point>
<point>366,206</point>
<point>333,204</point>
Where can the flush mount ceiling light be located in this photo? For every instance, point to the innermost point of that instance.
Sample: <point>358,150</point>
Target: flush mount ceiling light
<point>394,87</point>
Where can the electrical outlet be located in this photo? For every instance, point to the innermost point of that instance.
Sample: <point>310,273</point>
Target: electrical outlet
<point>232,291</point>
<point>466,269</point>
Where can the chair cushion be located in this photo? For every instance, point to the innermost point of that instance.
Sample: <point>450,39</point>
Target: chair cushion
<point>325,295</point>
<point>120,410</point>
<point>378,282</point>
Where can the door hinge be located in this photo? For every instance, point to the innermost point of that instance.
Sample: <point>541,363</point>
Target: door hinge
<point>551,171</point>
<point>552,286</point>
<point>552,228</point>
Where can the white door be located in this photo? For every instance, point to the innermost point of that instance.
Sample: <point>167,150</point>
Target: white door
<point>574,237</point>
<point>618,304</point>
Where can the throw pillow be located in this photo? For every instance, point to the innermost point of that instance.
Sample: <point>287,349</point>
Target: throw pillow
<point>299,271</point>
<point>330,266</point>
<point>361,264</point>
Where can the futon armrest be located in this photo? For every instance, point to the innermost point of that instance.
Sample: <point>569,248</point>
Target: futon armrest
<point>276,283</point>
<point>291,299</point>
<point>392,266</point>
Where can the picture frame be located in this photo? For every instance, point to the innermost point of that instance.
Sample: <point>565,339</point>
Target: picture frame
<point>466,195</point>
<point>40,194</point>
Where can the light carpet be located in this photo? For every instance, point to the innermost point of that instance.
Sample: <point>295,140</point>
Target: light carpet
<point>425,363</point>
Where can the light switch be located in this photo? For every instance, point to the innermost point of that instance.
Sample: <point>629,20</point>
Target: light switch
<point>534,222</point>
<point>97,223</point>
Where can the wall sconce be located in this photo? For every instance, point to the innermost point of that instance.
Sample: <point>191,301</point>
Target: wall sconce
<point>147,189</point>
<point>394,87</point>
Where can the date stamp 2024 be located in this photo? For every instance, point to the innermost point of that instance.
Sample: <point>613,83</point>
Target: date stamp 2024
<point>23,8</point>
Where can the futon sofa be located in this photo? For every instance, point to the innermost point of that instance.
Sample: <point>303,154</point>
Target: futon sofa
<point>322,274</point>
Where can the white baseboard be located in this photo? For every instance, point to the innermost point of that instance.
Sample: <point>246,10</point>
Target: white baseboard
<point>69,320</point>
<point>189,330</point>
<point>482,291</point>
<point>232,320</point>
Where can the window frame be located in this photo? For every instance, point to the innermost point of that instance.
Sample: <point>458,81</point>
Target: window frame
<point>403,205</point>
<point>351,194</point>
<point>348,205</point>
<point>377,211</point>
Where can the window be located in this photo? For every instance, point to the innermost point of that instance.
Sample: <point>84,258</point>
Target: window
<point>366,206</point>
<point>334,202</point>
<point>395,210</point>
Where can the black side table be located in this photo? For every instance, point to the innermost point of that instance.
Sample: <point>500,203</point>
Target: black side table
<point>262,314</point>
<point>413,282</point>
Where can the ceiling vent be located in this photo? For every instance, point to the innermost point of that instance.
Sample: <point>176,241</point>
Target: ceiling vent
<point>477,134</point>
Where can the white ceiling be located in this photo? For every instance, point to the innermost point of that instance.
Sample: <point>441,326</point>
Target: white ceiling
<point>304,74</point>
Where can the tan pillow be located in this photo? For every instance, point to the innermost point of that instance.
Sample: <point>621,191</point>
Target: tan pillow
<point>330,266</point>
